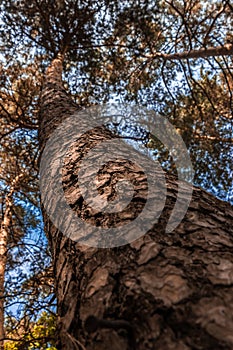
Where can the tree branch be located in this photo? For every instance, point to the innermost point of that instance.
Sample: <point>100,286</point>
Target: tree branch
<point>225,50</point>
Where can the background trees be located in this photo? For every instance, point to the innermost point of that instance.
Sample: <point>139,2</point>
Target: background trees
<point>25,287</point>
<point>172,56</point>
<point>126,52</point>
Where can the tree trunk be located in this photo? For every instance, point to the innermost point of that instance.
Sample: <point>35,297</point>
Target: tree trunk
<point>4,236</point>
<point>162,291</point>
<point>3,259</point>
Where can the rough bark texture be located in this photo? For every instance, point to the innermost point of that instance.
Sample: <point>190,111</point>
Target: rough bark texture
<point>163,291</point>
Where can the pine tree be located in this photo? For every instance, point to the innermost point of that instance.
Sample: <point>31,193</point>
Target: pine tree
<point>164,290</point>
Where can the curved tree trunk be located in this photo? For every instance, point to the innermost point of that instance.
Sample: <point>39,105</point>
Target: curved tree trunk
<point>162,291</point>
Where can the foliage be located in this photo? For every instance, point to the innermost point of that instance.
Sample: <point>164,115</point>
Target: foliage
<point>28,282</point>
<point>203,117</point>
<point>41,335</point>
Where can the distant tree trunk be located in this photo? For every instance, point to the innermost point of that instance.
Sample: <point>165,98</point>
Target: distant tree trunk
<point>163,291</point>
<point>3,257</point>
<point>4,237</point>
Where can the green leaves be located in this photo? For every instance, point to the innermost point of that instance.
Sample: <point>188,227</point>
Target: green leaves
<point>41,335</point>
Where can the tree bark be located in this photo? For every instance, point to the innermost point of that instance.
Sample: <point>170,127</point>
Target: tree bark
<point>162,291</point>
